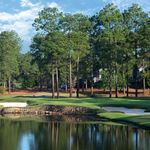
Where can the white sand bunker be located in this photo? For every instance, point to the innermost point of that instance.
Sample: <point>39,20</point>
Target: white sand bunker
<point>131,111</point>
<point>13,104</point>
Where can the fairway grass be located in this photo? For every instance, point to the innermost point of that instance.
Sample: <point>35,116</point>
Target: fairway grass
<point>85,102</point>
<point>94,103</point>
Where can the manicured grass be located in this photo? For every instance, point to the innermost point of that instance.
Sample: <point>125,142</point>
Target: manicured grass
<point>113,115</point>
<point>142,120</point>
<point>94,103</point>
<point>85,102</point>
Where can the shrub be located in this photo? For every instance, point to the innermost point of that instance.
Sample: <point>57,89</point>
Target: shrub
<point>2,90</point>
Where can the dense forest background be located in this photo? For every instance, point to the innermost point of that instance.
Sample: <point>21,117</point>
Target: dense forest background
<point>109,50</point>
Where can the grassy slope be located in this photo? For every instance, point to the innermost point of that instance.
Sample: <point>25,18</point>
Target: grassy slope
<point>93,103</point>
<point>142,120</point>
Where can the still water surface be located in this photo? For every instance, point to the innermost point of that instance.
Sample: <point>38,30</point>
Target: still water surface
<point>51,135</point>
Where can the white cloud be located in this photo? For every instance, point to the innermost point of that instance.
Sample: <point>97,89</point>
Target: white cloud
<point>22,15</point>
<point>55,5</point>
<point>27,3</point>
<point>22,28</point>
<point>21,21</point>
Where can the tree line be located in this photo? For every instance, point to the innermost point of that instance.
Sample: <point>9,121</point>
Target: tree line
<point>70,50</point>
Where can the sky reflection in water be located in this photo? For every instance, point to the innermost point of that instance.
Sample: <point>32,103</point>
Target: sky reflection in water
<point>32,135</point>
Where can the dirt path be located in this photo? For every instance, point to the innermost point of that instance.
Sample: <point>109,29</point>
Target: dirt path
<point>87,91</point>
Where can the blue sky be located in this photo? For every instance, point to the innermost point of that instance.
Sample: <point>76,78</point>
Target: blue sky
<point>19,15</point>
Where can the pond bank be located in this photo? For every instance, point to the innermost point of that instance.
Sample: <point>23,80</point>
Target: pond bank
<point>49,110</point>
<point>141,121</point>
<point>44,106</point>
<point>54,118</point>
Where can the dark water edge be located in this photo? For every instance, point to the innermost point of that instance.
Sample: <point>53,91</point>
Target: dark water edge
<point>69,134</point>
<point>72,119</point>
<point>55,118</point>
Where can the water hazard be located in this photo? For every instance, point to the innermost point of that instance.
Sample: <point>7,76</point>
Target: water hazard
<point>62,135</point>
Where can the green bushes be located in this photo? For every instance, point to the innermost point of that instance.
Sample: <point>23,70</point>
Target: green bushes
<point>2,90</point>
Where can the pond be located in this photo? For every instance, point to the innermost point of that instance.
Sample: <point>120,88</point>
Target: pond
<point>63,135</point>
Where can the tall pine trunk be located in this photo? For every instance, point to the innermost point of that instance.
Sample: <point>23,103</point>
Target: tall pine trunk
<point>116,91</point>
<point>144,85</point>
<point>40,86</point>
<point>82,86</point>
<point>78,86</point>
<point>4,85</point>
<point>9,85</point>
<point>57,80</point>
<point>92,76</point>
<point>66,81</point>
<point>53,82</point>
<point>110,91</point>
<point>136,71</point>
<point>110,86</point>
<point>136,81</point>
<point>127,84</point>
<point>92,90</point>
<point>86,85</point>
<point>143,77</point>
<point>136,90</point>
<point>70,78</point>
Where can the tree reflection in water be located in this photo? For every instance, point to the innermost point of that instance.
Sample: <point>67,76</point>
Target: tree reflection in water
<point>32,135</point>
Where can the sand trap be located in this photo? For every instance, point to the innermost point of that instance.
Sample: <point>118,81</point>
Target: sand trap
<point>13,104</point>
<point>125,110</point>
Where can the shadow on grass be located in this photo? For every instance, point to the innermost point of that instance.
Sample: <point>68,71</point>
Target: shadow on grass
<point>42,96</point>
<point>61,100</point>
<point>39,97</point>
<point>137,98</point>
